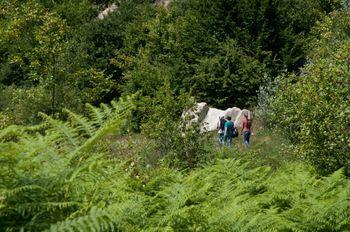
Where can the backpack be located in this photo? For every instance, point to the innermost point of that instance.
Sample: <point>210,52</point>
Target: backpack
<point>234,132</point>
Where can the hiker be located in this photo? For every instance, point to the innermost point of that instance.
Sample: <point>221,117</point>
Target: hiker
<point>221,129</point>
<point>228,133</point>
<point>247,129</point>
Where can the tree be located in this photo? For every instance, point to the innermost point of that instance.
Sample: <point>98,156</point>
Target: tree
<point>193,37</point>
<point>228,78</point>
<point>315,106</point>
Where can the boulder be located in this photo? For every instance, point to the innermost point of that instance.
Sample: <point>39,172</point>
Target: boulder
<point>232,112</point>
<point>208,117</point>
<point>113,7</point>
<point>196,114</point>
<point>211,119</point>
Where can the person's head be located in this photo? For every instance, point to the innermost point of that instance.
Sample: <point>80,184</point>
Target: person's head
<point>228,118</point>
<point>245,114</point>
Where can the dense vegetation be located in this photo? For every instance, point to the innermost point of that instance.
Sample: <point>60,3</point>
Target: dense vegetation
<point>69,180</point>
<point>315,105</point>
<point>55,54</point>
<point>91,137</point>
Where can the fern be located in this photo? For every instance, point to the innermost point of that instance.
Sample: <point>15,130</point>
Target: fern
<point>40,186</point>
<point>83,124</point>
<point>115,121</point>
<point>116,217</point>
<point>65,132</point>
<point>97,115</point>
<point>53,177</point>
<point>106,110</point>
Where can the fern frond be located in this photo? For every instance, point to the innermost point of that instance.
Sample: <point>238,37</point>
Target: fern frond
<point>119,216</point>
<point>14,191</point>
<point>11,132</point>
<point>96,114</point>
<point>107,110</point>
<point>67,132</point>
<point>113,123</point>
<point>82,123</point>
<point>43,207</point>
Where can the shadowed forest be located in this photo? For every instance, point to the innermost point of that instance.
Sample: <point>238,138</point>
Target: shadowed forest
<point>91,134</point>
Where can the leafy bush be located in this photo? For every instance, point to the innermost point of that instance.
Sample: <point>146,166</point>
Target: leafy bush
<point>21,105</point>
<point>177,144</point>
<point>314,108</point>
<point>217,50</point>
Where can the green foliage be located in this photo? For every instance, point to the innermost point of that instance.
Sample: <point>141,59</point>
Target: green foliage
<point>231,197</point>
<point>54,177</point>
<point>47,167</point>
<point>74,12</point>
<point>177,144</point>
<point>314,108</point>
<point>228,76</point>
<point>218,50</point>
<point>20,105</point>
<point>40,57</point>
<point>74,172</point>
<point>100,42</point>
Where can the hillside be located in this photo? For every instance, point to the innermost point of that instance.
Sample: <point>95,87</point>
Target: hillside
<point>92,130</point>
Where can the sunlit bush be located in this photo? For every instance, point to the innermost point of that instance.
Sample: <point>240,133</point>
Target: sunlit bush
<point>314,108</point>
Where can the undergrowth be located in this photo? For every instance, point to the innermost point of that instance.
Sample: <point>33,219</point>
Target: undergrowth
<point>62,176</point>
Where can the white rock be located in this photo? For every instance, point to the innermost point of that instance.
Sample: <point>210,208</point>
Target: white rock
<point>195,114</point>
<point>232,112</point>
<point>108,10</point>
<point>210,121</point>
<point>209,117</point>
<point>103,14</point>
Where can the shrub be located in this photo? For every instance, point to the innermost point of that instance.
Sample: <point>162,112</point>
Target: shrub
<point>178,145</point>
<point>314,108</point>
<point>22,105</point>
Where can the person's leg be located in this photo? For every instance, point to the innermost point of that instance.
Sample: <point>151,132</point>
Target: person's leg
<point>222,138</point>
<point>246,138</point>
<point>229,141</point>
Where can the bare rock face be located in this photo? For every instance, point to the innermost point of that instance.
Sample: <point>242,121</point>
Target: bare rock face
<point>232,112</point>
<point>103,14</point>
<point>210,121</point>
<point>208,117</point>
<point>196,114</point>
